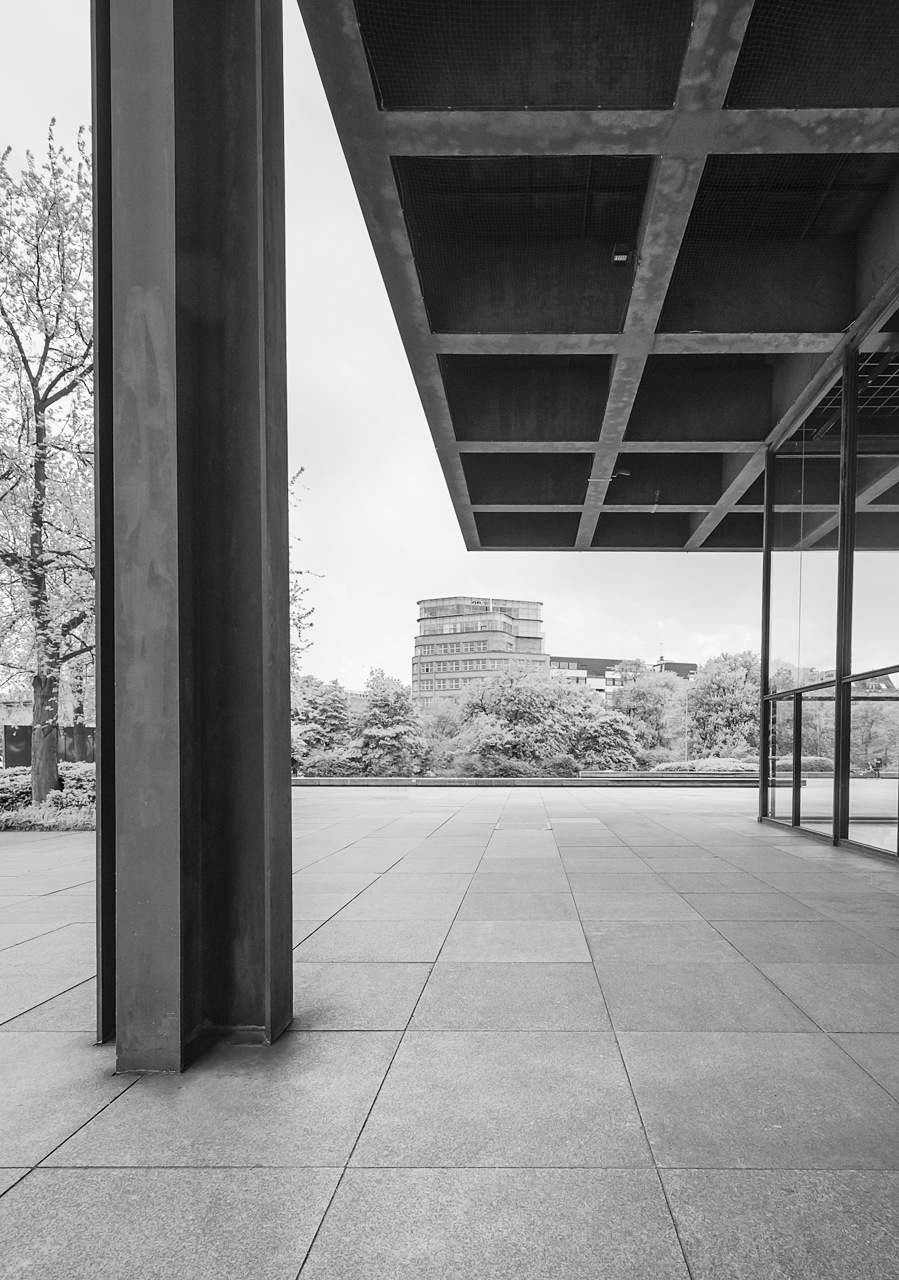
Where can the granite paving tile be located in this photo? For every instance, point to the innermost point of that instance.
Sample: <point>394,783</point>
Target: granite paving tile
<point>9,1177</point>
<point>518,906</point>
<point>714,882</point>
<point>456,1098</point>
<point>786,1225</point>
<point>842,997</point>
<point>750,906</point>
<point>645,881</point>
<point>40,968</point>
<point>298,1102</point>
<point>801,941</point>
<point>375,940</point>
<point>50,1083</point>
<point>355,997</point>
<point>74,1010</point>
<point>394,904</point>
<point>689,996</point>
<point>878,1054</point>
<point>551,881</point>
<point>516,940</point>
<point>615,942</point>
<point>723,1100</point>
<point>505,1224</point>
<point>511,997</point>
<point>632,906</point>
<point>209,1224</point>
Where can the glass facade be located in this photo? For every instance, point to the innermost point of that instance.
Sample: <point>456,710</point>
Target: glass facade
<point>504,633</point>
<point>830,677</point>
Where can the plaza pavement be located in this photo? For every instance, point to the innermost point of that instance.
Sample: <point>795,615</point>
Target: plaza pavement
<point>542,1035</point>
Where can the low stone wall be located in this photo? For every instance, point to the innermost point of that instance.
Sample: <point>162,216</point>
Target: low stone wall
<point>704,781</point>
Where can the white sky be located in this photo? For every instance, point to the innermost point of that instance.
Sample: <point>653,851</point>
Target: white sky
<point>377,522</point>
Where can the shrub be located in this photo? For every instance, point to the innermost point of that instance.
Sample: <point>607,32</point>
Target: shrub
<point>15,789</point>
<point>725,764</point>
<point>71,809</point>
<point>332,764</point>
<point>808,764</point>
<point>561,767</point>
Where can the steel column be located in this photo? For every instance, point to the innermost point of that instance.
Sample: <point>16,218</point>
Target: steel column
<point>104,742</point>
<point>765,656</point>
<point>796,815</point>
<point>845,557</point>
<point>193,523</point>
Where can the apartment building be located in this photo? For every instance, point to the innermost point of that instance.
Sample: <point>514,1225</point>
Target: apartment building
<point>465,639</point>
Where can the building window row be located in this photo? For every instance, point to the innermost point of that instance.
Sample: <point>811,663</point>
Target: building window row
<point>458,646</point>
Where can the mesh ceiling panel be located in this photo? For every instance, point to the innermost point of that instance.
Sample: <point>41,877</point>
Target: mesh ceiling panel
<point>791,218</point>
<point>522,243</point>
<point>818,53</point>
<point>702,397</point>
<point>526,530</point>
<point>445,54</point>
<point>529,398</point>
<point>510,479</point>
<point>878,400</point>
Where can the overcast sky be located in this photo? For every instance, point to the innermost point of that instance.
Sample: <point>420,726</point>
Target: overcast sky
<point>376,522</point>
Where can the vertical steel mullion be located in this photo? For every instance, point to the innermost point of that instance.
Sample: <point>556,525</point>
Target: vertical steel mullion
<point>765,655</point>
<point>845,555</point>
<point>796,815</point>
<point>104,660</point>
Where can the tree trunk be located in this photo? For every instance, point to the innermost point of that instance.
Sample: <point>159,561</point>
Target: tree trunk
<point>79,729</point>
<point>44,738</point>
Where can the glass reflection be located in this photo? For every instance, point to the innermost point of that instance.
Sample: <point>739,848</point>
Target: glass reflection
<point>816,800</point>
<point>873,758</point>
<point>780,780</point>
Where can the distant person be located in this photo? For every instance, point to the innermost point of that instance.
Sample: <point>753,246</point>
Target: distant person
<point>877,765</point>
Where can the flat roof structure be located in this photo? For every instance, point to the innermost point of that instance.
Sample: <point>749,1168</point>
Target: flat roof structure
<point>628,245</point>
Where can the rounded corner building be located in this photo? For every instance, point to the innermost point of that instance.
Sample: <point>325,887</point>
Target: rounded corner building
<point>462,639</point>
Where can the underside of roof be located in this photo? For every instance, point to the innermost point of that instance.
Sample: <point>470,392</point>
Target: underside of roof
<point>627,243</point>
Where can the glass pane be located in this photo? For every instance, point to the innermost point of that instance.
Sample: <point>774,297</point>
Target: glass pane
<point>875,602</point>
<point>875,593</point>
<point>780,780</point>
<point>804,563</point>
<point>816,798</point>
<point>873,756</point>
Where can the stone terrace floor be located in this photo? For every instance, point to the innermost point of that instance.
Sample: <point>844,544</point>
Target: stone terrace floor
<point>557,1035</point>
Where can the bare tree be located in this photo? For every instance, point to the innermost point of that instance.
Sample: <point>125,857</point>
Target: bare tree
<point>300,609</point>
<point>46,432</point>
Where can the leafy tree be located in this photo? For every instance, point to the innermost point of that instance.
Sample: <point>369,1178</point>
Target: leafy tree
<point>604,741</point>
<point>527,723</point>
<point>874,730</point>
<point>299,609</point>
<point>441,724</point>
<point>46,431</point>
<point>390,742</point>
<point>652,702</point>
<point>322,716</point>
<point>724,705</point>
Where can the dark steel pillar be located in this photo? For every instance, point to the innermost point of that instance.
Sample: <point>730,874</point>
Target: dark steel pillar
<point>765,655</point>
<point>192,480</point>
<point>842,709</point>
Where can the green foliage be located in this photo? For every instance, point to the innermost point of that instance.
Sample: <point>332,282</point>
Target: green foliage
<point>653,704</point>
<point>724,706</point>
<point>809,764</point>
<point>517,723</point>
<point>391,741</point>
<point>321,721</point>
<point>71,809</point>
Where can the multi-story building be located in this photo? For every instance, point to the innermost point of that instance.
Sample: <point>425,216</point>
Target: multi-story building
<point>595,673</point>
<point>465,639</point>
<point>605,674</point>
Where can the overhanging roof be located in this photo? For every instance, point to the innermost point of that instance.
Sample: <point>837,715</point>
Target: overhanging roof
<point>739,159</point>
